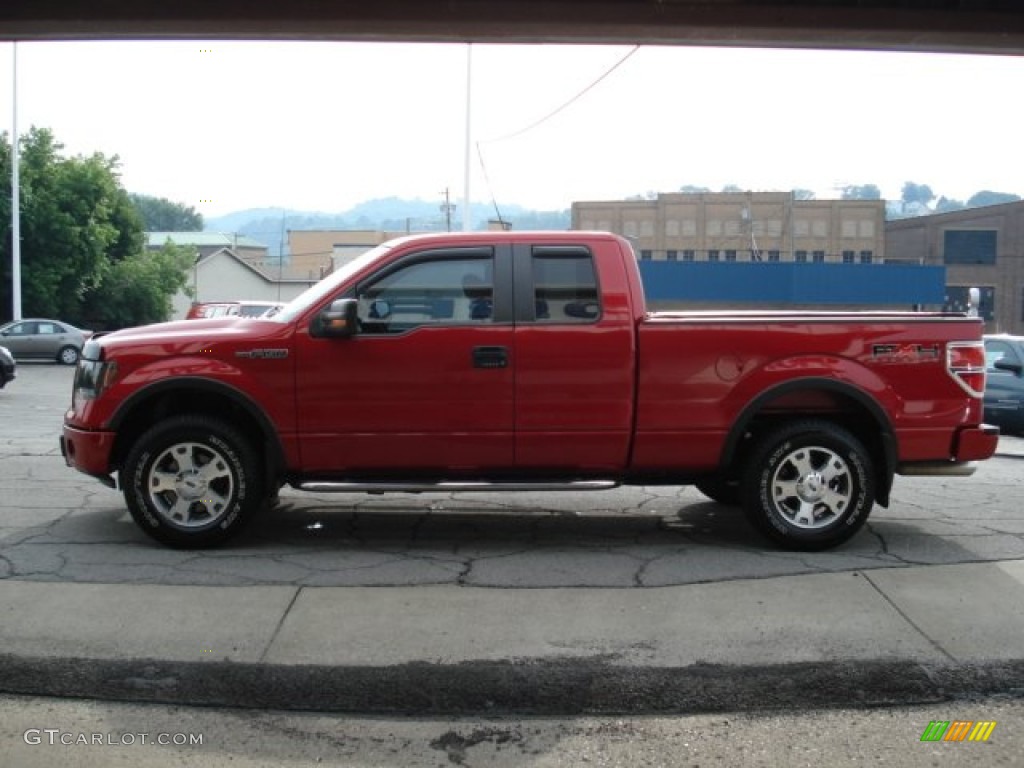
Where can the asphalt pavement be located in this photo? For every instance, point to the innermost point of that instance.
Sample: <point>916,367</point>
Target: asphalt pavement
<point>636,600</point>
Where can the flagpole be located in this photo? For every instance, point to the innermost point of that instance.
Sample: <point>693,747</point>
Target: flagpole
<point>467,218</point>
<point>15,199</point>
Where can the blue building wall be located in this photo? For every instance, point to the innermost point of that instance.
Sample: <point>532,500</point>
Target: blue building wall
<point>794,283</point>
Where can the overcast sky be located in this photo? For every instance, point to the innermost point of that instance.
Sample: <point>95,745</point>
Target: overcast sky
<point>321,126</point>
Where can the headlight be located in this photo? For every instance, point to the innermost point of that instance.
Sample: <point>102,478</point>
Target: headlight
<point>93,377</point>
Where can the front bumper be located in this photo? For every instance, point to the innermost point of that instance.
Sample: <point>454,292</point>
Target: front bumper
<point>88,452</point>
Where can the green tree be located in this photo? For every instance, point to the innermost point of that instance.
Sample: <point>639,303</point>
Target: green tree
<point>693,189</point>
<point>917,193</point>
<point>803,194</point>
<point>987,197</point>
<point>137,290</point>
<point>67,226</point>
<point>81,238</point>
<point>946,204</point>
<point>860,192</point>
<point>162,215</point>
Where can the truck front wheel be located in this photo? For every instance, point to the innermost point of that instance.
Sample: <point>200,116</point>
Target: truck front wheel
<point>809,485</point>
<point>192,481</point>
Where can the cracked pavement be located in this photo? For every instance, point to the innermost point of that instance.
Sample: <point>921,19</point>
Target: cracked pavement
<point>59,525</point>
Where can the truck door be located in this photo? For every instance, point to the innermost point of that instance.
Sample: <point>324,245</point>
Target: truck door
<point>426,385</point>
<point>575,357</point>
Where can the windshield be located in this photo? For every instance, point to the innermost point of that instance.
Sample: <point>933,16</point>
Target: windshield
<point>315,293</point>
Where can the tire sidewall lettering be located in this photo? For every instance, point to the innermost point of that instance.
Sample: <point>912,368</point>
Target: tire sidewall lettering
<point>851,517</point>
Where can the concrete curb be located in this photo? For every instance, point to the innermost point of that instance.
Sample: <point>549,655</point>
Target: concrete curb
<point>552,687</point>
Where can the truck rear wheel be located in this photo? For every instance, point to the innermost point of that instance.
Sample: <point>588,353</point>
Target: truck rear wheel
<point>192,481</point>
<point>809,485</point>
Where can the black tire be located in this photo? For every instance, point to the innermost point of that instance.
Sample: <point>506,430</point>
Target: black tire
<point>68,355</point>
<point>192,482</point>
<point>718,489</point>
<point>809,485</point>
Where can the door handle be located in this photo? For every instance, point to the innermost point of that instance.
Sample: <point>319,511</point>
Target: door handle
<point>490,357</point>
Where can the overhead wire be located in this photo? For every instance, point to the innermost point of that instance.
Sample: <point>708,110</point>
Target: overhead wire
<point>565,105</point>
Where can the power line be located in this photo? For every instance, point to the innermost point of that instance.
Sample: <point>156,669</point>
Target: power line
<point>568,103</point>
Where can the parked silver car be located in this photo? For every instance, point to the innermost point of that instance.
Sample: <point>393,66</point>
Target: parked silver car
<point>41,339</point>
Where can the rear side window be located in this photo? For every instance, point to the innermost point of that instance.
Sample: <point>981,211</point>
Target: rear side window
<point>565,287</point>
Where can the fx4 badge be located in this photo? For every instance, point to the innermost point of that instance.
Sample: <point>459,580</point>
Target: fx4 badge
<point>263,354</point>
<point>905,353</point>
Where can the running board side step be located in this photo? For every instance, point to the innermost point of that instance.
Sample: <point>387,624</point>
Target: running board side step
<point>453,487</point>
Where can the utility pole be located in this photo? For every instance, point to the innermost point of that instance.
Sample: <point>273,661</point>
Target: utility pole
<point>447,208</point>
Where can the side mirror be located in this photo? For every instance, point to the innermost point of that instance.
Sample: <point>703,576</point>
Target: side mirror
<point>338,321</point>
<point>1006,365</point>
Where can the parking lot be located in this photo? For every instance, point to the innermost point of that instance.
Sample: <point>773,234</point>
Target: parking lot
<point>59,525</point>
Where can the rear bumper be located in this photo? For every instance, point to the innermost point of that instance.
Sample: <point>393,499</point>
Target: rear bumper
<point>976,443</point>
<point>88,452</point>
<point>969,445</point>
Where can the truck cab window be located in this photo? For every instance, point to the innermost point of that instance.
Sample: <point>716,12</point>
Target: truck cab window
<point>565,288</point>
<point>429,292</point>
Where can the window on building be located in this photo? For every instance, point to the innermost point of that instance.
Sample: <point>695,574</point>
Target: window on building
<point>957,300</point>
<point>645,254</point>
<point>866,257</point>
<point>969,246</point>
<point>848,257</point>
<point>730,255</point>
<point>773,255</point>
<point>689,255</point>
<point>712,255</point>
<point>672,255</point>
<point>819,257</point>
<point>801,256</point>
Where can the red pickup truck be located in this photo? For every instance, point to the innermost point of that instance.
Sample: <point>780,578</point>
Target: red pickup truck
<point>511,361</point>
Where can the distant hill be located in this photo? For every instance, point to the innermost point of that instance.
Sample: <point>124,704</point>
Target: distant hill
<point>270,225</point>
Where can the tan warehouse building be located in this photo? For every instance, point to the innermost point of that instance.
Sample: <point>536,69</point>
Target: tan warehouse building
<point>744,226</point>
<point>979,247</point>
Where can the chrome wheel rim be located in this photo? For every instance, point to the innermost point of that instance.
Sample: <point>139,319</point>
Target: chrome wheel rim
<point>190,485</point>
<point>69,356</point>
<point>812,487</point>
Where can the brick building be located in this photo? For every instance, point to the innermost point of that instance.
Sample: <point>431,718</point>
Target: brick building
<point>745,226</point>
<point>979,247</point>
